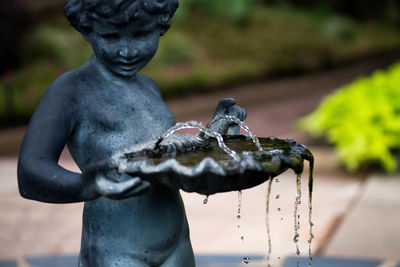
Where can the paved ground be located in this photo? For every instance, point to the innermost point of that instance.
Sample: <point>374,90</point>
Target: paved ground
<point>372,228</point>
<point>29,228</point>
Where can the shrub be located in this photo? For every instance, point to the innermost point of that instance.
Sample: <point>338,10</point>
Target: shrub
<point>362,120</point>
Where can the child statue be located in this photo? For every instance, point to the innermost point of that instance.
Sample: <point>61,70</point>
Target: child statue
<point>101,108</point>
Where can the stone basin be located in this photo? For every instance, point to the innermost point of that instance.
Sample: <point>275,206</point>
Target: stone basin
<point>203,167</point>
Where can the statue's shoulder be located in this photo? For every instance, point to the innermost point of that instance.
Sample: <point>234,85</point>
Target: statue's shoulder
<point>64,93</point>
<point>149,83</point>
<point>69,81</point>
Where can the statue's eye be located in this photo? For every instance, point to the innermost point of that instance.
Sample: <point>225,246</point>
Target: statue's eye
<point>142,33</point>
<point>110,36</point>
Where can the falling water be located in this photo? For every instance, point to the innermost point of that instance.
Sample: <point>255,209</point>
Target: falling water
<point>267,220</point>
<point>206,131</point>
<point>310,190</point>
<point>241,124</point>
<point>296,215</point>
<point>239,216</point>
<point>239,204</point>
<point>205,201</point>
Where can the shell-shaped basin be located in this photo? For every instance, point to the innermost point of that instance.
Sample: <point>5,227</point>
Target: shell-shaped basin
<point>203,167</point>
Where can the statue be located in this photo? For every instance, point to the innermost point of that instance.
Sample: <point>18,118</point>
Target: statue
<point>97,110</point>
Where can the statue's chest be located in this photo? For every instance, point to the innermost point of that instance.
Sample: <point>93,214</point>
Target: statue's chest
<point>110,122</point>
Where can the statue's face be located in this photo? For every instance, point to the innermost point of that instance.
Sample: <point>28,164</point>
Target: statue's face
<point>125,49</point>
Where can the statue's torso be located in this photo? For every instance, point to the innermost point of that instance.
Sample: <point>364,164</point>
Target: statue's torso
<point>111,118</point>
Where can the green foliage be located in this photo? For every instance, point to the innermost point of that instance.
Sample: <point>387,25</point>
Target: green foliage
<point>21,92</point>
<point>64,46</point>
<point>362,120</point>
<point>235,10</point>
<point>340,27</point>
<point>174,48</point>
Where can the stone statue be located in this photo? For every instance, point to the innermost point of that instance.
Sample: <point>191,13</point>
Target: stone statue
<point>96,110</point>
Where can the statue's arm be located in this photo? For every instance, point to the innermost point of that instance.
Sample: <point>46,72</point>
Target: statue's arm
<point>41,178</point>
<point>39,175</point>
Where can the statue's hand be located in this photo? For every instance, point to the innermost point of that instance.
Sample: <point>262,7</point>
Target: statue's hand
<point>227,106</point>
<point>107,182</point>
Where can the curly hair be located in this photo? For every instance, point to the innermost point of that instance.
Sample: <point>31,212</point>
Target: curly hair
<point>80,13</point>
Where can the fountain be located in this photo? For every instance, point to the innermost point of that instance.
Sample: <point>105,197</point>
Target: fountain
<point>210,163</point>
<point>122,137</point>
<point>213,164</point>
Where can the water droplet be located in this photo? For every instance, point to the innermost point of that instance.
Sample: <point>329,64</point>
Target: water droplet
<point>238,217</point>
<point>277,180</point>
<point>277,196</point>
<point>242,238</point>
<point>246,260</point>
<point>205,201</point>
<point>296,238</point>
<point>281,219</point>
<point>279,258</point>
<point>238,226</point>
<point>279,209</point>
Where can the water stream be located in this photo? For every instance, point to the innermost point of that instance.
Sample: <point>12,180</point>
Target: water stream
<point>241,124</point>
<point>310,190</point>
<point>206,131</point>
<point>296,213</point>
<point>267,221</point>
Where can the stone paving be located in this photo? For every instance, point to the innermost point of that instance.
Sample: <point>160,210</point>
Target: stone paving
<point>352,218</point>
<point>372,228</point>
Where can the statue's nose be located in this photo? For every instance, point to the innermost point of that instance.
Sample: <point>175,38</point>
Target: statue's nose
<point>128,53</point>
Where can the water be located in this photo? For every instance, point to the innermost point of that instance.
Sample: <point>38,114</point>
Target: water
<point>267,221</point>
<point>296,215</point>
<point>205,201</point>
<point>239,216</point>
<point>241,124</point>
<point>240,195</point>
<point>206,131</point>
<point>310,190</point>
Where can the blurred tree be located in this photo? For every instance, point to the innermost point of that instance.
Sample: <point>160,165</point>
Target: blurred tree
<point>235,10</point>
<point>13,24</point>
<point>360,9</point>
<point>17,18</point>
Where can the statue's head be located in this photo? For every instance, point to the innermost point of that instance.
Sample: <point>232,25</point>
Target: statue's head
<point>82,13</point>
<point>124,34</point>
